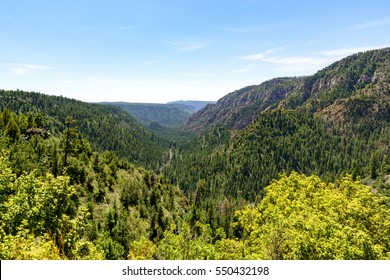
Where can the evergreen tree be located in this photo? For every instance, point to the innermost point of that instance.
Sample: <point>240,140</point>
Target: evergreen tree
<point>69,134</point>
<point>12,129</point>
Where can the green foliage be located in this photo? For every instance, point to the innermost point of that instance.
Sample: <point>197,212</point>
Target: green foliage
<point>278,141</point>
<point>112,249</point>
<point>41,202</point>
<point>26,246</point>
<point>86,250</point>
<point>5,117</point>
<point>230,249</point>
<point>89,206</point>
<point>144,249</point>
<point>12,129</point>
<point>64,197</point>
<point>106,127</point>
<point>187,245</point>
<point>302,217</point>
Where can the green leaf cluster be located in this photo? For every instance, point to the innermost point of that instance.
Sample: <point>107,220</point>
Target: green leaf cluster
<point>302,217</point>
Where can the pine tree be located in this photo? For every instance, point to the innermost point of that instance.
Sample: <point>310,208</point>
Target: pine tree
<point>70,132</point>
<point>12,129</point>
<point>5,118</point>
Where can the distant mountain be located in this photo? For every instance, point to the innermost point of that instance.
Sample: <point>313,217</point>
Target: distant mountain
<point>106,127</point>
<point>172,114</point>
<point>169,115</point>
<point>358,84</point>
<point>198,105</point>
<point>240,108</point>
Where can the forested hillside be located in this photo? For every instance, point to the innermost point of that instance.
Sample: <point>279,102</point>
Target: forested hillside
<point>311,129</point>
<point>334,122</point>
<point>338,92</point>
<point>61,199</point>
<point>295,168</point>
<point>107,127</point>
<point>241,165</point>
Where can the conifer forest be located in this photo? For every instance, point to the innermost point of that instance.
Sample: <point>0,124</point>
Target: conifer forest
<point>295,168</point>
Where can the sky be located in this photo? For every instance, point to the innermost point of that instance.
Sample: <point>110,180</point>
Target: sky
<point>159,51</point>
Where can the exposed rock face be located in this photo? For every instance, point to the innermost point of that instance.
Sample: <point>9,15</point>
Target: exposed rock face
<point>363,74</point>
<point>240,108</point>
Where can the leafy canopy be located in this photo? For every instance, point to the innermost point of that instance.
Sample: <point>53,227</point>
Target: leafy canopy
<point>302,217</point>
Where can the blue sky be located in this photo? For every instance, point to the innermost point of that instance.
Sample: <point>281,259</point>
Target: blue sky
<point>159,51</point>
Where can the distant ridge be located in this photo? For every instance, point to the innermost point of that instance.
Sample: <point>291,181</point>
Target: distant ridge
<point>198,105</point>
<point>172,114</point>
<point>169,115</point>
<point>336,88</point>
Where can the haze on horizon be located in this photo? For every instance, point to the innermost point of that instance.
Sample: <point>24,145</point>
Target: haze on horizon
<point>160,51</point>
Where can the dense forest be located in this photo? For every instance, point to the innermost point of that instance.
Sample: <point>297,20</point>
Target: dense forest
<point>294,168</point>
<point>107,127</point>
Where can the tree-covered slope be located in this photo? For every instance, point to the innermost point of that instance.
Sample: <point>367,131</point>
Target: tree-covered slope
<point>60,199</point>
<point>334,122</point>
<point>337,91</point>
<point>242,164</point>
<point>366,73</point>
<point>107,127</point>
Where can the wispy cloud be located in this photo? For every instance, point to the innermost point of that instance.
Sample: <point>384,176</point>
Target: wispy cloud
<point>296,60</point>
<point>23,69</point>
<point>186,45</point>
<point>259,56</point>
<point>340,53</point>
<point>301,63</point>
<point>19,71</point>
<point>366,25</point>
<point>317,58</point>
